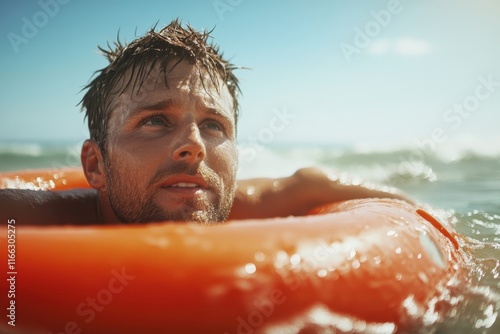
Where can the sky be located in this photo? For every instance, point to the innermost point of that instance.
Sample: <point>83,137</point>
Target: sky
<point>366,73</point>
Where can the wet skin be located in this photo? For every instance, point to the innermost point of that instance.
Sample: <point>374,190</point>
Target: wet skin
<point>171,151</point>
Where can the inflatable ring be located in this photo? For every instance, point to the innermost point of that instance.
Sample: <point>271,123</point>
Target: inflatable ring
<point>370,265</point>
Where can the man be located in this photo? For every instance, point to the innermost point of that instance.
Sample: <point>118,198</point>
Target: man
<point>162,118</point>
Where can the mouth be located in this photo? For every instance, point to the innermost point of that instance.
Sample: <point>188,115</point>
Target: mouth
<point>184,183</point>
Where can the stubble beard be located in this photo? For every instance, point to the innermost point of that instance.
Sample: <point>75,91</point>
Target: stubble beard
<point>130,206</point>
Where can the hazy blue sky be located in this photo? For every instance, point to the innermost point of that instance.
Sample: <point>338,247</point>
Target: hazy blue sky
<point>378,73</point>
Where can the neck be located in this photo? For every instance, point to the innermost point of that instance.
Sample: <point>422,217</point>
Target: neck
<point>105,214</point>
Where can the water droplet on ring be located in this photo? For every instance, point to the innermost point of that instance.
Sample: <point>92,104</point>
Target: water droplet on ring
<point>250,268</point>
<point>322,273</point>
<point>295,259</point>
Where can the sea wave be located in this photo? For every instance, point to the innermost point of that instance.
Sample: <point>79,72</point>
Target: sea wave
<point>26,155</point>
<point>37,149</point>
<point>397,165</point>
<point>32,149</point>
<point>463,147</point>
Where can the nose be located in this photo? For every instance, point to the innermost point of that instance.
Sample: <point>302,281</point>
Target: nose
<point>190,147</point>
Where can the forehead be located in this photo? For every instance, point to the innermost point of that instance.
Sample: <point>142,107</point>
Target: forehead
<point>178,80</point>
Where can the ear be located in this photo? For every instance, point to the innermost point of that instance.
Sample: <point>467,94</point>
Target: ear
<point>93,164</point>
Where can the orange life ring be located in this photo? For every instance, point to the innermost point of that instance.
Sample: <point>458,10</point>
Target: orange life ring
<point>363,265</point>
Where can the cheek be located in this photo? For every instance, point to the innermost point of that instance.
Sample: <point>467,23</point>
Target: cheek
<point>123,156</point>
<point>227,160</point>
<point>133,158</point>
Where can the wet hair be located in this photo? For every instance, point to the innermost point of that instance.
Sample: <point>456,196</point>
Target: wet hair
<point>172,43</point>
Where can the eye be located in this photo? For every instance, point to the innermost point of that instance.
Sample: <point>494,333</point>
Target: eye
<point>155,120</point>
<point>213,125</point>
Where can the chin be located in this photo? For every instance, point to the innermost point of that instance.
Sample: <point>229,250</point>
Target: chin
<point>187,214</point>
<point>201,217</point>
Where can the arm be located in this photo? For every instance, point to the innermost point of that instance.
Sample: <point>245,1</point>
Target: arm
<point>298,194</point>
<point>255,198</point>
<point>29,207</point>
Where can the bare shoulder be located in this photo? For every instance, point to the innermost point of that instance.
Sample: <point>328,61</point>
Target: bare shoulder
<point>29,207</point>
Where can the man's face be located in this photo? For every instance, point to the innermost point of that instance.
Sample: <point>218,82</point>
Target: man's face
<point>171,152</point>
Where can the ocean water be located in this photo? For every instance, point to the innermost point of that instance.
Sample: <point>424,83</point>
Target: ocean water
<point>461,187</point>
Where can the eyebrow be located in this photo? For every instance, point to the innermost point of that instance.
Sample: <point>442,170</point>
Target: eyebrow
<point>166,104</point>
<point>212,111</point>
<point>158,106</point>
